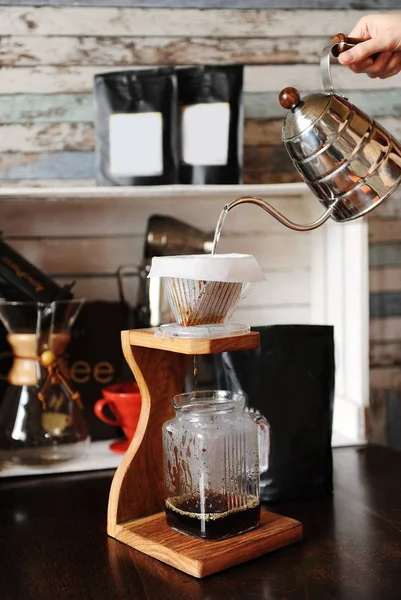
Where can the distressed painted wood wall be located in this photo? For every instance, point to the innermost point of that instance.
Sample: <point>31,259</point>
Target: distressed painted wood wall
<point>49,55</point>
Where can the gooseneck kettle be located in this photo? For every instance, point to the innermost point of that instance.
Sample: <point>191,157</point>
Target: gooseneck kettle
<point>349,161</point>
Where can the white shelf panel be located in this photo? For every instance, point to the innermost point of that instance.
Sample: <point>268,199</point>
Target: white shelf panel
<point>162,191</point>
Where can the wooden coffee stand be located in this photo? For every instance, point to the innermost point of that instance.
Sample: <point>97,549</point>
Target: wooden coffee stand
<point>136,502</point>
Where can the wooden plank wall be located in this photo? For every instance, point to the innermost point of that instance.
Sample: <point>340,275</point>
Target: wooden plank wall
<point>49,55</point>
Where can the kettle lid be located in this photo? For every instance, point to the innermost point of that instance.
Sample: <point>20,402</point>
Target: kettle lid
<point>303,113</point>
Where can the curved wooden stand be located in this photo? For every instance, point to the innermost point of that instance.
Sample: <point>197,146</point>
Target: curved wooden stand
<point>136,498</point>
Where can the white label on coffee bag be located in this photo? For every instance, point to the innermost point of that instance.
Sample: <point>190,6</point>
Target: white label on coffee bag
<point>204,133</point>
<point>136,144</point>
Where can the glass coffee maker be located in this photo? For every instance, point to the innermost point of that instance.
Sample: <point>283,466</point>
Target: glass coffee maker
<point>40,414</point>
<point>212,464</point>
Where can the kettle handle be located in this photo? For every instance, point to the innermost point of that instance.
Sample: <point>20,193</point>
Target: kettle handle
<point>340,43</point>
<point>325,67</point>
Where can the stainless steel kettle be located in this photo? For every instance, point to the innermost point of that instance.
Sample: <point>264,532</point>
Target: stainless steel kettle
<point>349,161</point>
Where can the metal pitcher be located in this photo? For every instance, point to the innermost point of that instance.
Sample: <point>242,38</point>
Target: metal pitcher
<point>349,161</point>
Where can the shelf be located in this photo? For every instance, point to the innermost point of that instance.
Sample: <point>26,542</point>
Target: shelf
<point>162,191</point>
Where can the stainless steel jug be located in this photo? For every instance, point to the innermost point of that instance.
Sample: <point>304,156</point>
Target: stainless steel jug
<point>349,161</point>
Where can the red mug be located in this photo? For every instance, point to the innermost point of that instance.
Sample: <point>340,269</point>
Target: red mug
<point>124,401</point>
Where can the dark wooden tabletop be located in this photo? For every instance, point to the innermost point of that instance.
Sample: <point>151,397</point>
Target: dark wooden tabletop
<point>53,543</point>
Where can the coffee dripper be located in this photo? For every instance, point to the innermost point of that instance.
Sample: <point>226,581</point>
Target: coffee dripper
<point>203,292</point>
<point>349,161</point>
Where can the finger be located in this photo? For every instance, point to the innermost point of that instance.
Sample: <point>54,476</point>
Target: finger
<point>395,61</point>
<point>393,66</point>
<point>362,51</point>
<point>380,65</point>
<point>361,67</point>
<point>391,73</point>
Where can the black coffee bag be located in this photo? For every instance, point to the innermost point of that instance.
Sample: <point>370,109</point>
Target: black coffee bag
<point>290,380</point>
<point>136,127</point>
<point>211,124</point>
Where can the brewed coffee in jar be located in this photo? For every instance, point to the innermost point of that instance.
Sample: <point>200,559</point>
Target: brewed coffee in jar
<point>220,521</point>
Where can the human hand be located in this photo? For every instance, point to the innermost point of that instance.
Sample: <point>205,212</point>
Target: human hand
<point>382,35</point>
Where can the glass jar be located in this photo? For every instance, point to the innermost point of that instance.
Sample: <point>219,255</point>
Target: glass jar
<point>212,464</point>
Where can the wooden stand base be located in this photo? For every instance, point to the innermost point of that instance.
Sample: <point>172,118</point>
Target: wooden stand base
<point>199,558</point>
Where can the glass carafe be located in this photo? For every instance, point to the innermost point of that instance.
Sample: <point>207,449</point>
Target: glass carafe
<point>212,463</point>
<point>40,414</point>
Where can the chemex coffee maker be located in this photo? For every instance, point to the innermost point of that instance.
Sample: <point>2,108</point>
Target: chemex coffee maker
<point>206,486</point>
<point>41,418</point>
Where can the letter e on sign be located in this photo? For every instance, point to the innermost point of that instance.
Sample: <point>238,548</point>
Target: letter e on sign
<point>103,372</point>
<point>80,372</point>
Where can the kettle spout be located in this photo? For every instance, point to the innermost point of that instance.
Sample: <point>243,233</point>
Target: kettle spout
<point>279,216</point>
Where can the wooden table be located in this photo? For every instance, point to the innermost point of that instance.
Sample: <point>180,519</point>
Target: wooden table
<point>53,543</point>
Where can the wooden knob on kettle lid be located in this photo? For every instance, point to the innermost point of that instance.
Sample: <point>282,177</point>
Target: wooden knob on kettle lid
<point>289,98</point>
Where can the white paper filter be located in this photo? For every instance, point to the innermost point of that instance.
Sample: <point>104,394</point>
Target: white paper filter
<point>205,289</point>
<point>207,267</point>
